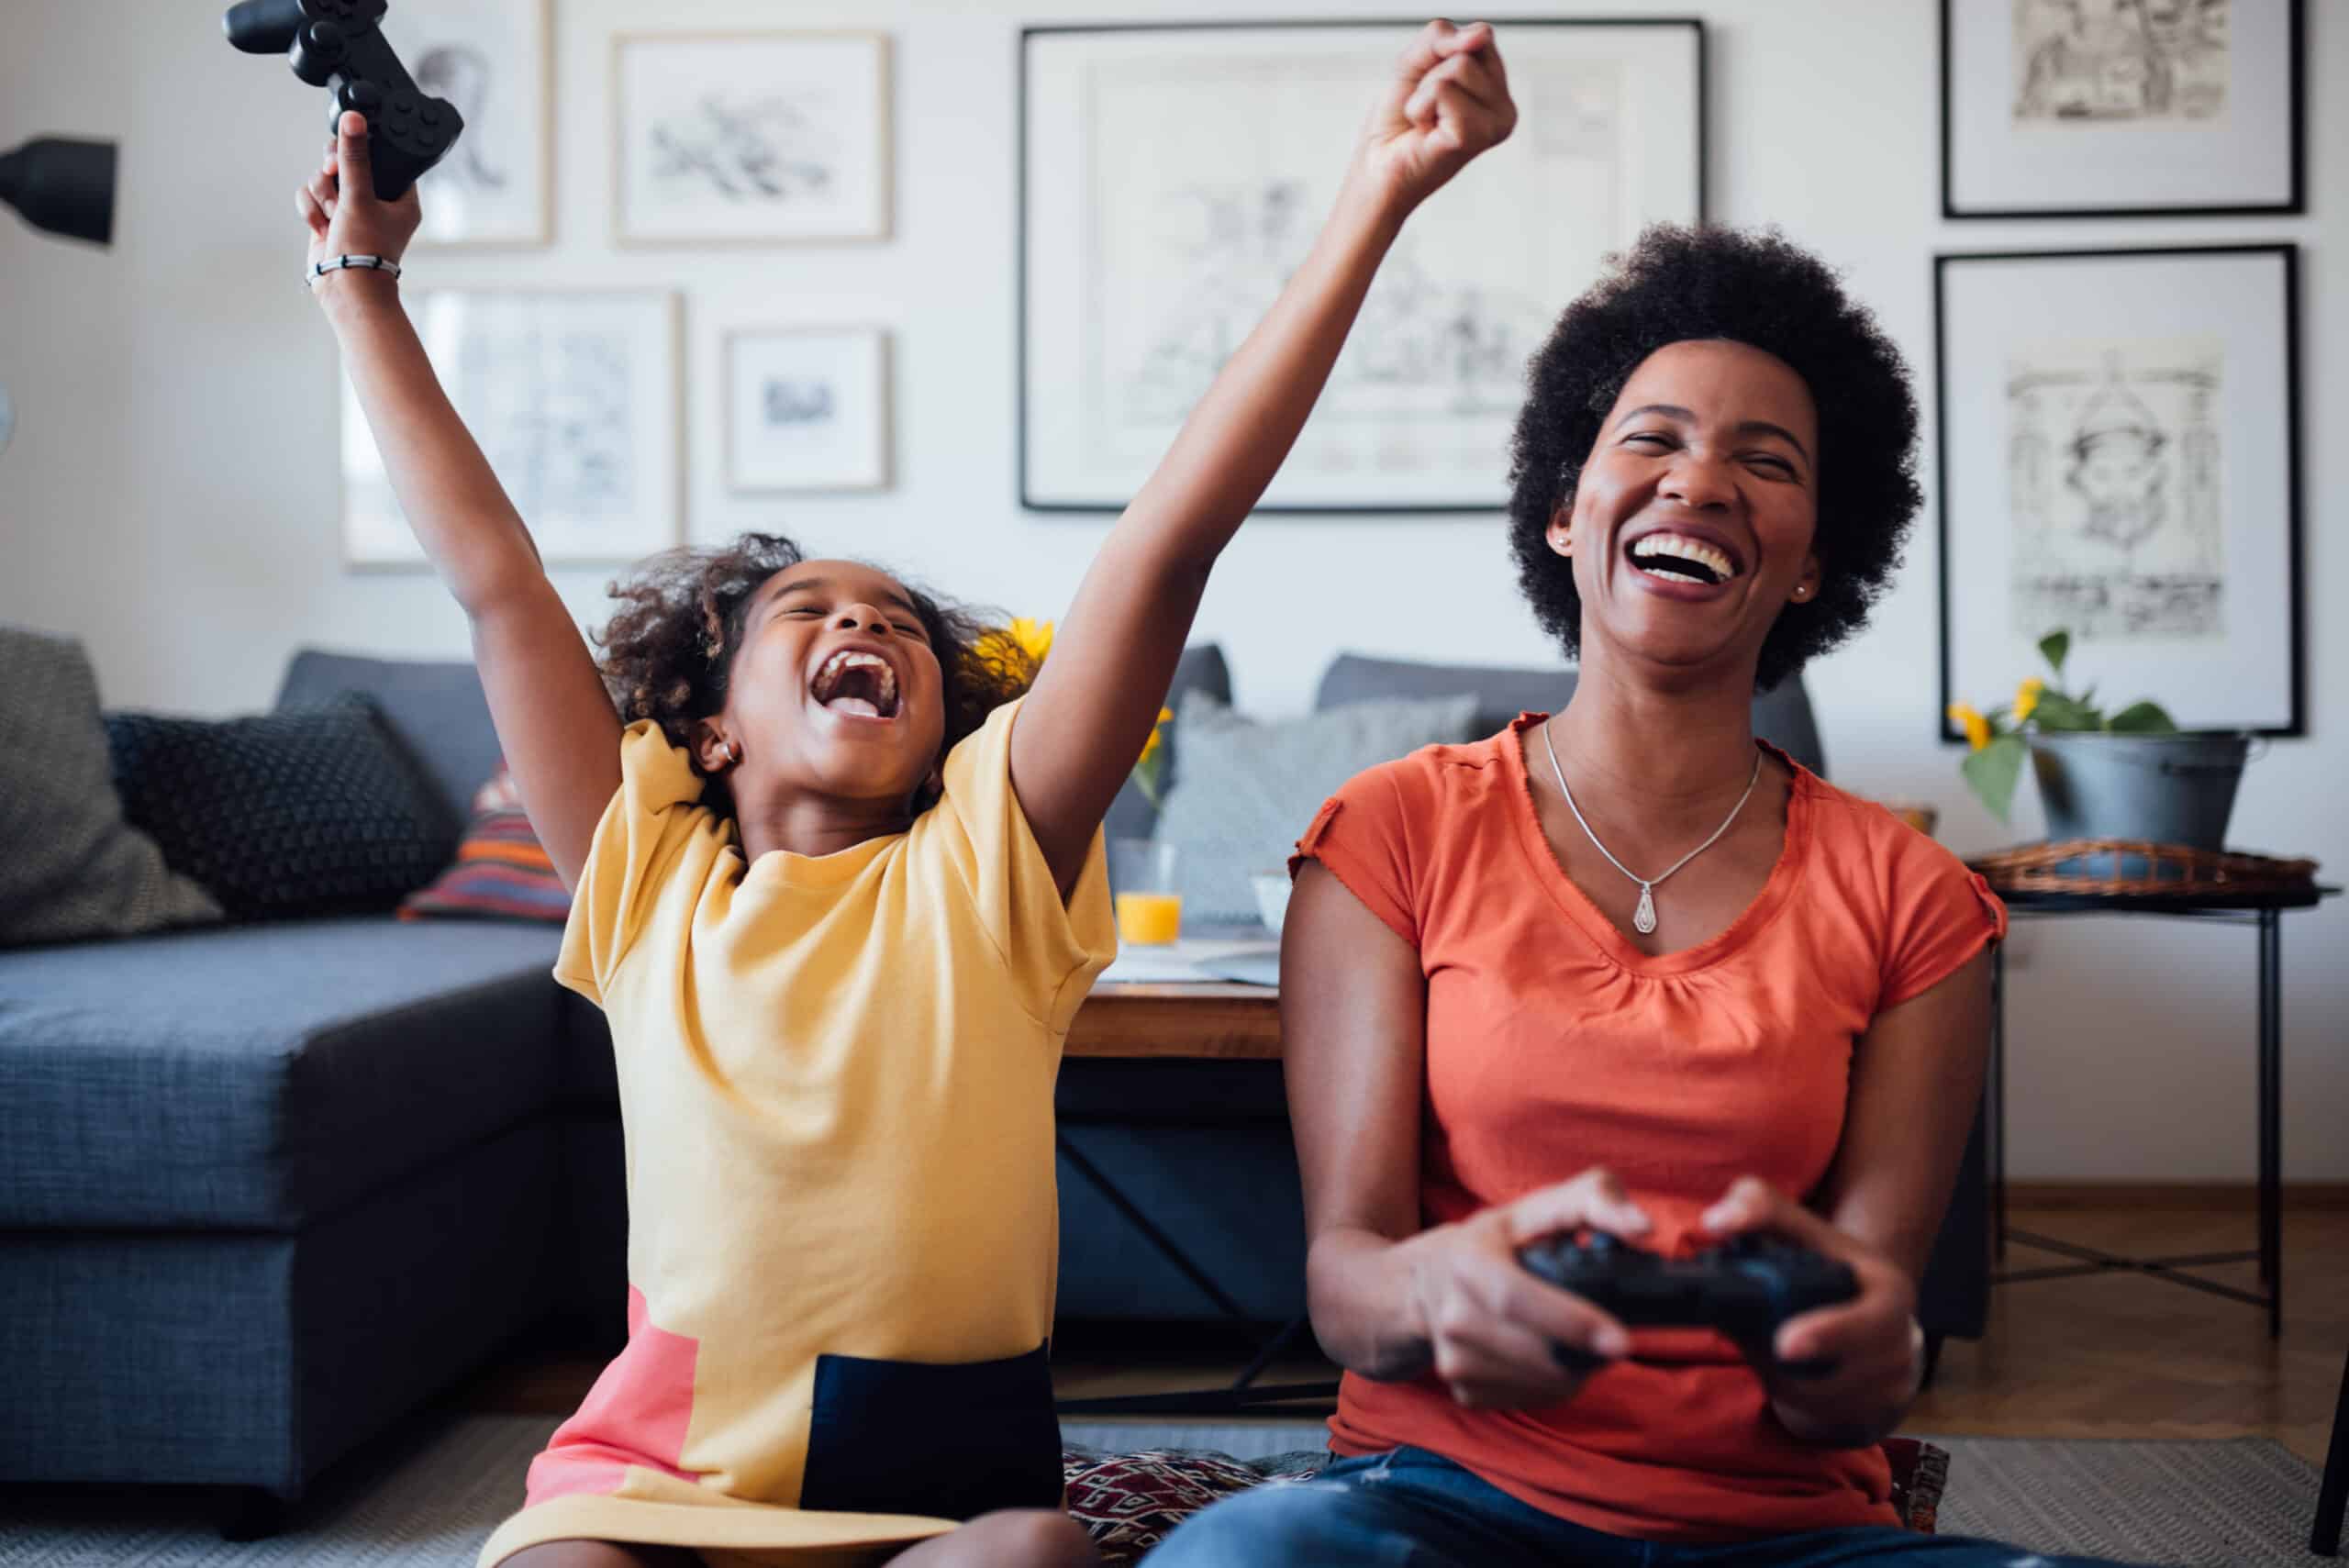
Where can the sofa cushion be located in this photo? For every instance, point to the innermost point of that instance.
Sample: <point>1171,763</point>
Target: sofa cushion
<point>1782,717</point>
<point>502,871</point>
<point>258,1076</point>
<point>1202,668</point>
<point>435,709</point>
<point>1248,788</point>
<point>302,812</point>
<point>73,867</point>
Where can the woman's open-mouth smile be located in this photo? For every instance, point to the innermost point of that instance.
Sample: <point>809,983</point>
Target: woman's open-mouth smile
<point>1682,566</point>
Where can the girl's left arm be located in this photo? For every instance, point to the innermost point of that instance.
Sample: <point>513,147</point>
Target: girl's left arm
<point>1092,709</point>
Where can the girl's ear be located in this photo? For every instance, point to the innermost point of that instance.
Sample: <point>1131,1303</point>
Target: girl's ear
<point>713,752</point>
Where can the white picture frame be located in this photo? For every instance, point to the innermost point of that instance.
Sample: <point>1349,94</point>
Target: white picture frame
<point>806,409</point>
<point>751,137</point>
<point>494,60</point>
<point>572,397</point>
<point>2055,108</point>
<point>2119,459</point>
<point>1171,176</point>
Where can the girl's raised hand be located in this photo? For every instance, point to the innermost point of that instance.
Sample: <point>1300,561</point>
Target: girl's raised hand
<point>340,205</point>
<point>1448,103</point>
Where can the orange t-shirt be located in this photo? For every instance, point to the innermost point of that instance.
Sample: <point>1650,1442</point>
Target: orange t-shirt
<point>1554,1045</point>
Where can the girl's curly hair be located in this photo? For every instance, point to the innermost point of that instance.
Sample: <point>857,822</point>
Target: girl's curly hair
<point>1758,289</point>
<point>668,651</point>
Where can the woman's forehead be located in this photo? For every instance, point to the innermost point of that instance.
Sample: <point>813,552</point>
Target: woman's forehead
<point>1700,373</point>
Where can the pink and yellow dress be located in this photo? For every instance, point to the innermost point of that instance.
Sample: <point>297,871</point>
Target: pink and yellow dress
<point>836,1077</point>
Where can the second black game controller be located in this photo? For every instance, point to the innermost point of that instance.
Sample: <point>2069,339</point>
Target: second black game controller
<point>340,45</point>
<point>1745,1288</point>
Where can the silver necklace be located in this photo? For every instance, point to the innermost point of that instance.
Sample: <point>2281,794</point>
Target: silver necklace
<point>1644,917</point>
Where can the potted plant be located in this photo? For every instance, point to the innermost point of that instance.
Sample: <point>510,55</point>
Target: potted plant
<point>2130,775</point>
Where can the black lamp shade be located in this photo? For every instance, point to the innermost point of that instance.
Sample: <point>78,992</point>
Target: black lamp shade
<point>63,186</point>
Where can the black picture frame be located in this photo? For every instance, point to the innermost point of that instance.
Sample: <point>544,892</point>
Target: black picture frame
<point>1023,368</point>
<point>1947,465</point>
<point>2294,203</point>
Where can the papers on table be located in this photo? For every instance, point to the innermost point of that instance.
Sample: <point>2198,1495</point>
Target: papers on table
<point>1198,961</point>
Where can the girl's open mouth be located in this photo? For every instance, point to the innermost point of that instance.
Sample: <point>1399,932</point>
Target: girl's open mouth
<point>857,683</point>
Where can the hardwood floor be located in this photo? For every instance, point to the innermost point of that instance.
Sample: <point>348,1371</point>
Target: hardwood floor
<point>2122,1355</point>
<point>2113,1355</point>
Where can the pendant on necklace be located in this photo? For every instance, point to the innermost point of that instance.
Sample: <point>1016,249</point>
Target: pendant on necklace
<point>1644,917</point>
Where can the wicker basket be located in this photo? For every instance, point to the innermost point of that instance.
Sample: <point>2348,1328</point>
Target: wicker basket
<point>2128,866</point>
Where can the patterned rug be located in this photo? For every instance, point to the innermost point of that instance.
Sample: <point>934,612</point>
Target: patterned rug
<point>429,1499</point>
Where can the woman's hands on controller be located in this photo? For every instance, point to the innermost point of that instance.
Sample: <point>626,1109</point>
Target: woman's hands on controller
<point>345,218</point>
<point>1498,1337</point>
<point>1843,1375</point>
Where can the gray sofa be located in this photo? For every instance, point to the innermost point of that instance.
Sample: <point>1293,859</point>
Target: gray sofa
<point>268,1186</point>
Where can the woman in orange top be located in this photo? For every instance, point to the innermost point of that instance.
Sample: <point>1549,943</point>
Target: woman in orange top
<point>1628,969</point>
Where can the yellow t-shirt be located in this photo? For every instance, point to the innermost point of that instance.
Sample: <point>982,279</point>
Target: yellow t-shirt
<point>836,1079</point>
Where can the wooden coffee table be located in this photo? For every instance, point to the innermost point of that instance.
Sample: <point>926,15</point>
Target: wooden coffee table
<point>1205,1020</point>
<point>1198,1021</point>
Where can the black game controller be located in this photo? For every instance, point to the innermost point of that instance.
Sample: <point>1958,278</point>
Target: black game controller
<point>1745,1287</point>
<point>336,44</point>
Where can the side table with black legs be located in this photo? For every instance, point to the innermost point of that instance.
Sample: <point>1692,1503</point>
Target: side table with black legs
<point>2264,910</point>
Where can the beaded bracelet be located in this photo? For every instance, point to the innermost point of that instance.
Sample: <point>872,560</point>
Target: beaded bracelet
<point>373,264</point>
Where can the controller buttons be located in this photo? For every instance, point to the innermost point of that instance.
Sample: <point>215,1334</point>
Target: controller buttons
<point>429,114</point>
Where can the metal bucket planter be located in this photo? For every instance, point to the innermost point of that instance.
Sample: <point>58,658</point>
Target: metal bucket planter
<point>2162,789</point>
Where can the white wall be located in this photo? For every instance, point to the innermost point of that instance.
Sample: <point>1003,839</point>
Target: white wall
<point>171,493</point>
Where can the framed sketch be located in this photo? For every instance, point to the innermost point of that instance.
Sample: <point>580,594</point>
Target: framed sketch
<point>572,397</point>
<point>1174,176</point>
<point>492,58</point>
<point>2119,459</point>
<point>2087,109</point>
<point>749,136</point>
<point>807,408</point>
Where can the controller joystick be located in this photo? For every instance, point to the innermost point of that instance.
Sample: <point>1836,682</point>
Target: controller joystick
<point>1745,1288</point>
<point>340,45</point>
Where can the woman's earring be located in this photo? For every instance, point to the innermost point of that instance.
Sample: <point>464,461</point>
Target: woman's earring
<point>733,752</point>
<point>1802,591</point>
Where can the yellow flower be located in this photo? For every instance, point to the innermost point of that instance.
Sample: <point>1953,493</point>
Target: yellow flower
<point>1977,728</point>
<point>2027,697</point>
<point>1034,637</point>
<point>1165,717</point>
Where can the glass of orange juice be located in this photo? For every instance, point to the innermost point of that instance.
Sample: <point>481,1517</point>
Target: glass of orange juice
<point>1143,875</point>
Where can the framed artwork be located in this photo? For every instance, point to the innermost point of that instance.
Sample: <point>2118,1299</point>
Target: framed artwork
<point>2119,459</point>
<point>492,59</point>
<point>2089,108</point>
<point>572,397</point>
<point>749,136</point>
<point>1172,177</point>
<point>807,408</point>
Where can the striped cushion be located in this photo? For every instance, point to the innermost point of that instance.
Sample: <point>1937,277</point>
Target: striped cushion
<point>501,874</point>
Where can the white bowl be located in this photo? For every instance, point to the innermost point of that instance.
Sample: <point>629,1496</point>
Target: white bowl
<point>1272,897</point>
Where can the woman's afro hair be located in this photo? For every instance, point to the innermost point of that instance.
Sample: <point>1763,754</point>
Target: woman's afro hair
<point>669,649</point>
<point>1756,288</point>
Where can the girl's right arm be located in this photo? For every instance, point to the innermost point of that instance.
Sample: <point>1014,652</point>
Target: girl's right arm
<point>554,718</point>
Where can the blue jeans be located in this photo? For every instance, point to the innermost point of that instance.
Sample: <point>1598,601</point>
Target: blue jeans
<point>1408,1509</point>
